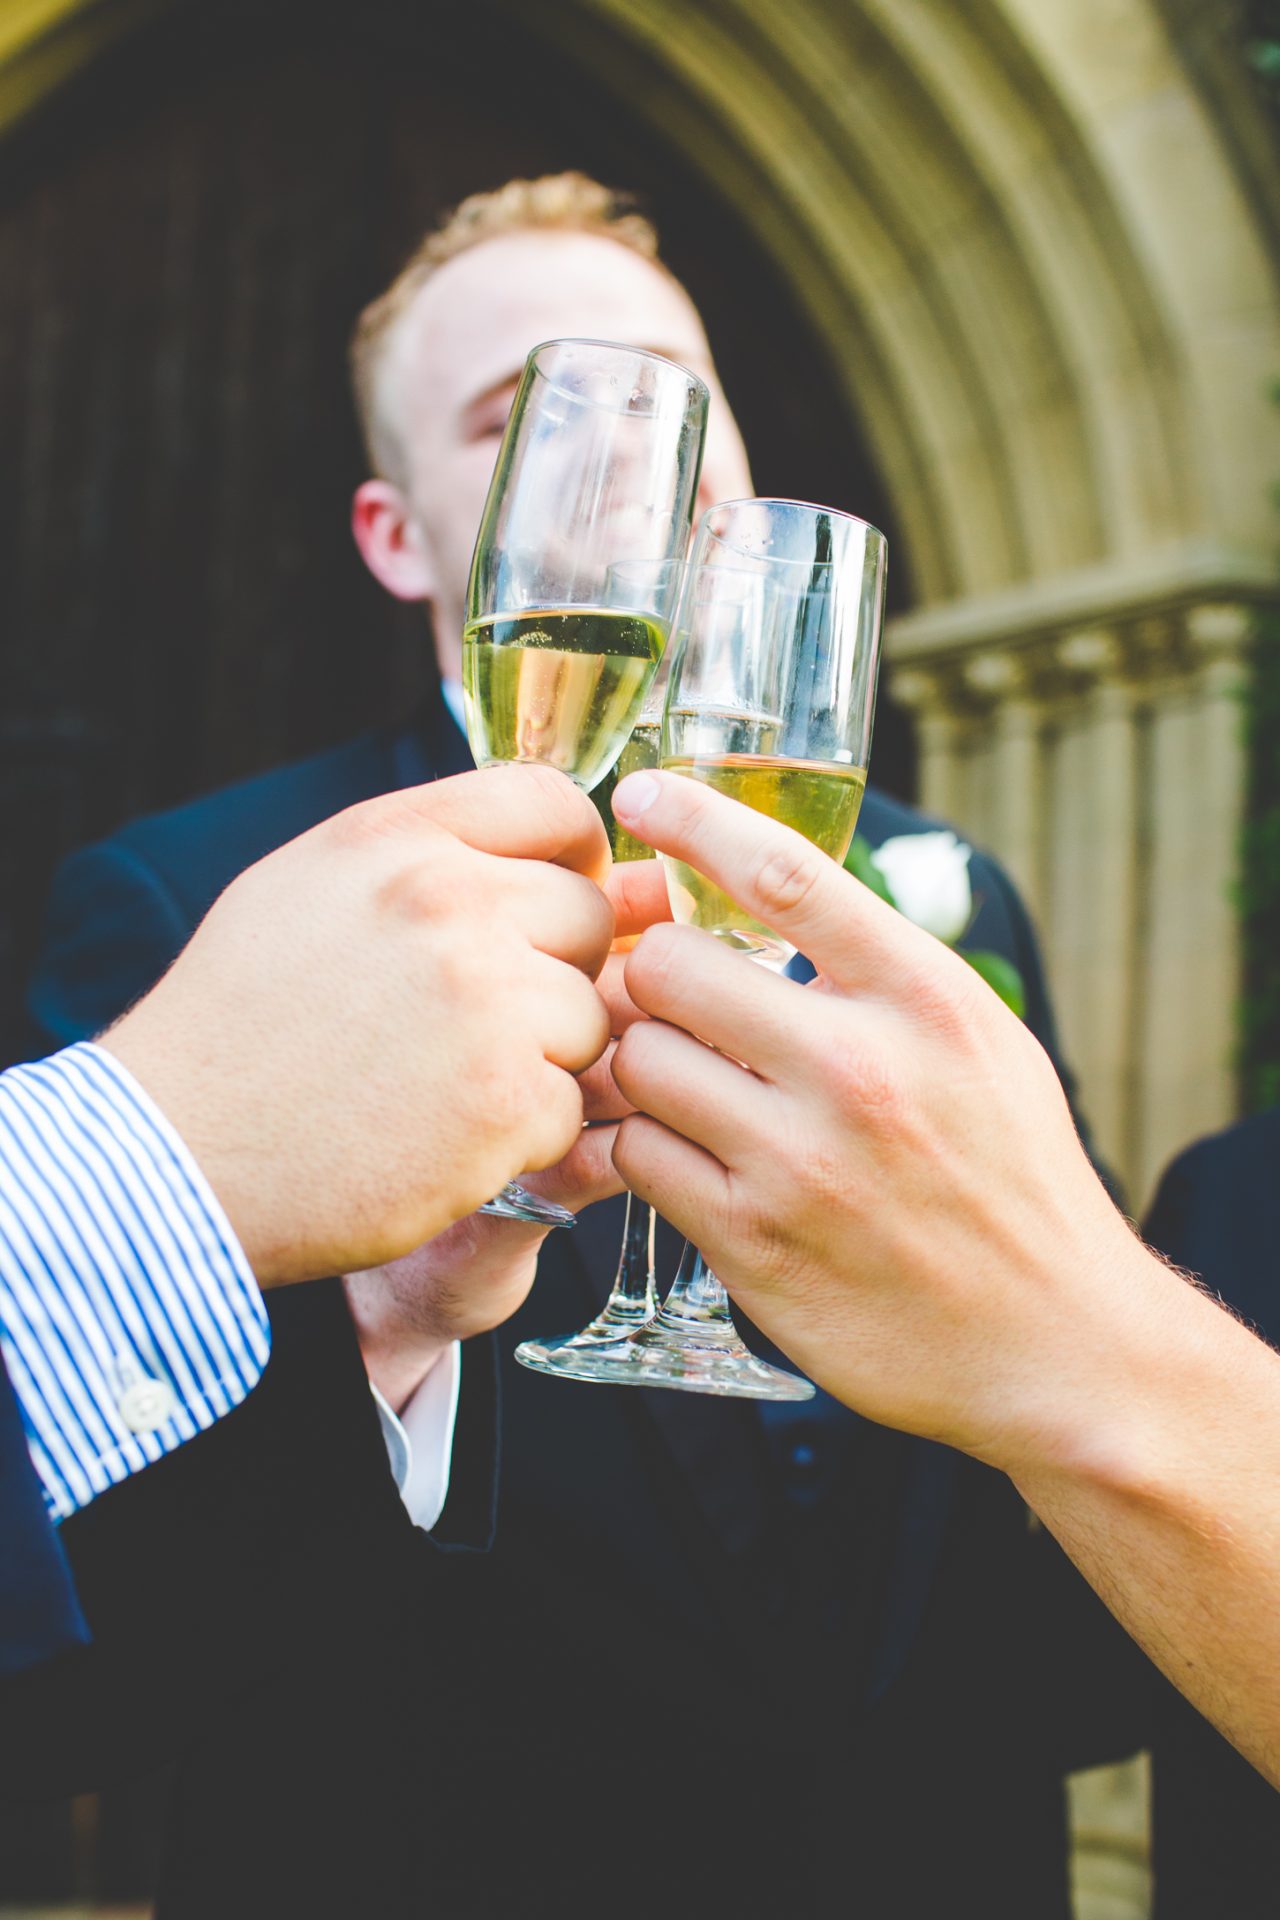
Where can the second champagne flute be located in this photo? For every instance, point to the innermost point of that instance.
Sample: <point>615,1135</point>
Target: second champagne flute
<point>598,468</point>
<point>784,726</point>
<point>770,699</point>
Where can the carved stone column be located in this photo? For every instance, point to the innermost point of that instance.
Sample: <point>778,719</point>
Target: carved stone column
<point>937,736</point>
<point>1101,759</point>
<point>1006,679</point>
<point>1103,979</point>
<point>1191,981</point>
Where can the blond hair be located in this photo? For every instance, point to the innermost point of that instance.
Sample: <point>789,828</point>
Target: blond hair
<point>564,202</point>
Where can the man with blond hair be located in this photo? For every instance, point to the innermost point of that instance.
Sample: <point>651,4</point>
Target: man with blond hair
<point>719,1658</point>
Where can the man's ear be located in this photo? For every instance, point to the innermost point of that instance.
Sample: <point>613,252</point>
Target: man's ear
<point>389,541</point>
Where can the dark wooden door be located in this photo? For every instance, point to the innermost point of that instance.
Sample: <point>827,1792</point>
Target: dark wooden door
<point>185,236</point>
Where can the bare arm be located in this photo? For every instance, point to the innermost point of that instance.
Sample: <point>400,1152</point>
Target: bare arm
<point>1171,1509</point>
<point>882,1168</point>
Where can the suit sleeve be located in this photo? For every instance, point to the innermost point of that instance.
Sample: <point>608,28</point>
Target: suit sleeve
<point>40,1614</point>
<point>111,929</point>
<point>193,1573</point>
<point>273,1537</point>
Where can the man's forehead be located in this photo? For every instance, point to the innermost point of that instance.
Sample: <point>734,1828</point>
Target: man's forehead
<point>474,323</point>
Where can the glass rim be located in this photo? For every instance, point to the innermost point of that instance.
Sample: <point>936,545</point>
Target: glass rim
<point>777,500</point>
<point>613,346</point>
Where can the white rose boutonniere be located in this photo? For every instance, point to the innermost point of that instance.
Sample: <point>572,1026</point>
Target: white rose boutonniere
<point>926,877</point>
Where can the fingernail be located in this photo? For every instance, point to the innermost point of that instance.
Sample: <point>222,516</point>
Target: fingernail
<point>636,794</point>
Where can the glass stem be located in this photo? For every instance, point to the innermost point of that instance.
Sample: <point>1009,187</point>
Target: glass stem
<point>697,1301</point>
<point>634,1298</point>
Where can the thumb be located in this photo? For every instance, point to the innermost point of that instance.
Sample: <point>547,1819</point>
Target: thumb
<point>522,812</point>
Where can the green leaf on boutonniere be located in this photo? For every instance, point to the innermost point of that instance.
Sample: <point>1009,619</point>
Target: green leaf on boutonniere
<point>1002,976</point>
<point>859,863</point>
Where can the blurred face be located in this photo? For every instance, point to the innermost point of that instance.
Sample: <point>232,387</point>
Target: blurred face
<point>453,369</point>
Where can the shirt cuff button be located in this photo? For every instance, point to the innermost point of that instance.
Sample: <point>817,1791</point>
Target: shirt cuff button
<point>146,1405</point>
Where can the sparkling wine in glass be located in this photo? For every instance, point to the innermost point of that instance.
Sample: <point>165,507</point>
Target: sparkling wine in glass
<point>633,1298</point>
<point>598,469</point>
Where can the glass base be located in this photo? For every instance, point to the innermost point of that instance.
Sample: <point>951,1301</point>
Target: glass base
<point>594,1353</point>
<point>666,1353</point>
<point>517,1203</point>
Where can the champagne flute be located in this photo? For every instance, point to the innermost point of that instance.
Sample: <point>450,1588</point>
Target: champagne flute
<point>633,1299</point>
<point>770,699</point>
<point>598,467</point>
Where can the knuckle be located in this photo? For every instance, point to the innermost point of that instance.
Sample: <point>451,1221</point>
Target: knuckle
<point>595,917</point>
<point>625,1067</point>
<point>457,983</point>
<point>759,1223</point>
<point>636,1058</point>
<point>773,1245</point>
<point>788,878</point>
<point>653,965</point>
<point>633,1147</point>
<point>588,1165</point>
<point>954,1005</point>
<point>425,890</point>
<point>864,1078</point>
<point>558,984</point>
<point>823,1174</point>
<point>612,989</point>
<point>557,1118</point>
<point>595,1025</point>
<point>499,1091</point>
<point>878,1089</point>
<point>382,818</point>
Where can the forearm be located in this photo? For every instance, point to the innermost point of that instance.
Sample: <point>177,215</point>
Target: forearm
<point>1169,1503</point>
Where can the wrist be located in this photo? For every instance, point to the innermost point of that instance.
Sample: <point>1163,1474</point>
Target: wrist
<point>185,1091</point>
<point>1142,1393</point>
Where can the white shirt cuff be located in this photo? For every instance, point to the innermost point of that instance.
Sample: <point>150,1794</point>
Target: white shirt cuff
<point>419,1441</point>
<point>129,1318</point>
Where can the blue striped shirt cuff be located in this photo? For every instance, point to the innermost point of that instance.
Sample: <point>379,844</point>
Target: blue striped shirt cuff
<point>129,1318</point>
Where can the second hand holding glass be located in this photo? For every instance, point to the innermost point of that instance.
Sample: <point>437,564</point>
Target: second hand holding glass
<point>598,468</point>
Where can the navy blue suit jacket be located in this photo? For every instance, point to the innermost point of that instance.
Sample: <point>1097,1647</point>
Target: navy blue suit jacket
<point>39,1613</point>
<point>888,1636</point>
<point>853,1619</point>
<point>122,910</point>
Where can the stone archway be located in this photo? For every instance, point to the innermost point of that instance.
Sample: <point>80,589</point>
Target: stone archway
<point>1035,235</point>
<point>1039,239</point>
